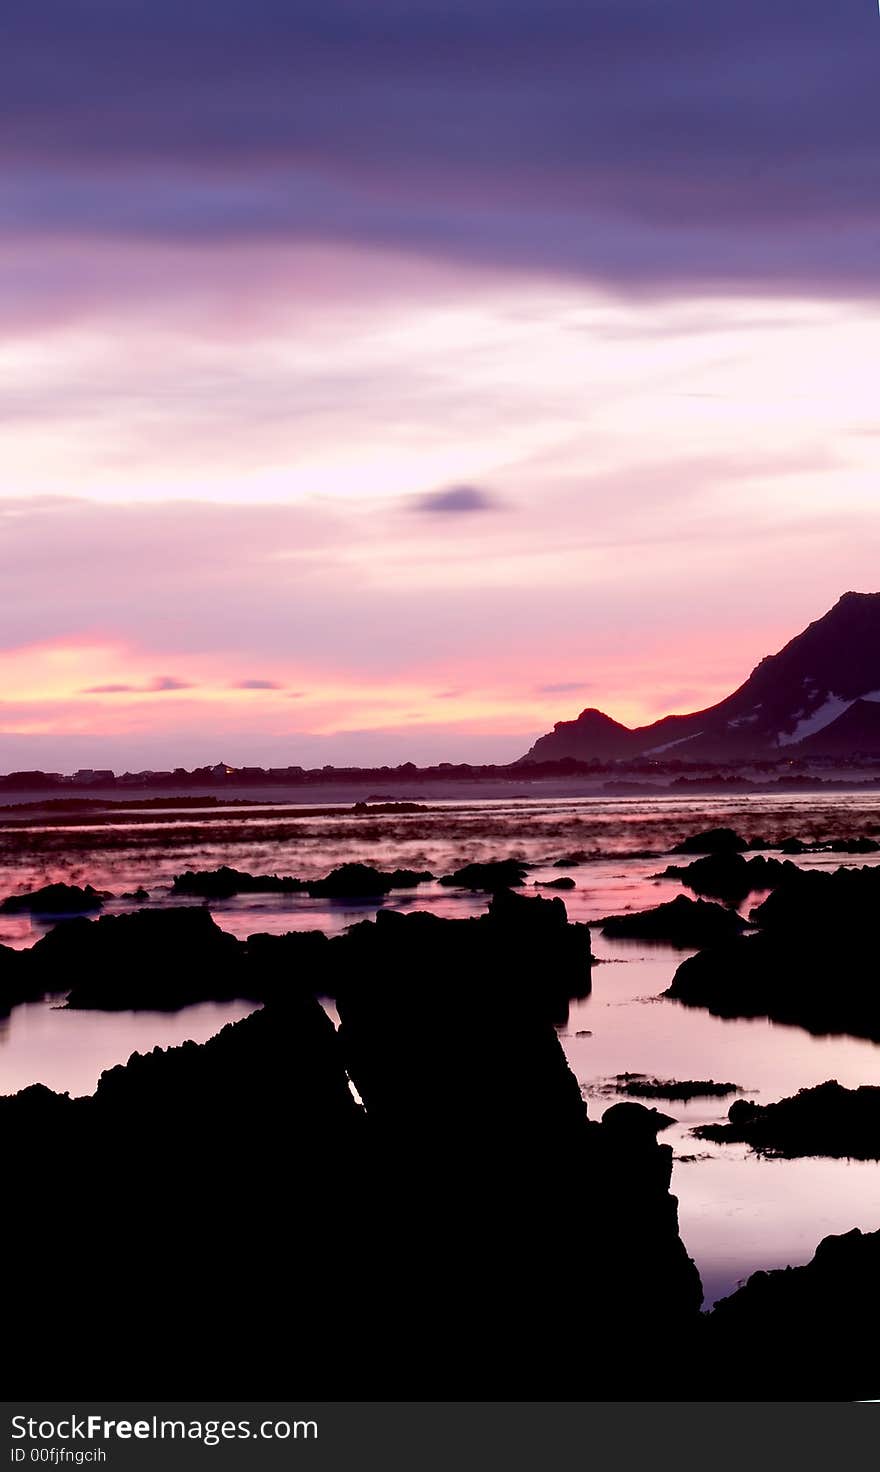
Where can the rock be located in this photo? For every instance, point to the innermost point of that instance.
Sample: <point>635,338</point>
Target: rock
<point>635,1121</point>
<point>220,1174</point>
<point>799,1333</point>
<point>806,966</point>
<point>445,1205</point>
<point>555,884</point>
<point>684,1089</point>
<point>140,894</point>
<point>825,1120</point>
<point>494,875</point>
<point>224,882</point>
<point>494,1165</point>
<point>712,841</point>
<point>362,881</point>
<point>681,922</point>
<point>56,899</point>
<point>730,877</point>
<point>18,983</point>
<point>157,959</point>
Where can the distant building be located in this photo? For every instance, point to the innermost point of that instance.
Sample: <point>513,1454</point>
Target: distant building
<point>222,769</point>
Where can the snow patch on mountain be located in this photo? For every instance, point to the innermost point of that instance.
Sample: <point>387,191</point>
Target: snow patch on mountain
<point>832,707</point>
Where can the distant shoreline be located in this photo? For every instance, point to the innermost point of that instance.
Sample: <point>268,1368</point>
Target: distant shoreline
<point>347,791</point>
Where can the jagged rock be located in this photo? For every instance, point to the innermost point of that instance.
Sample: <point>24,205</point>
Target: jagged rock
<point>635,1121</point>
<point>564,883</point>
<point>17,980</point>
<point>825,1120</point>
<point>799,1333</point>
<point>494,1181</point>
<point>730,877</point>
<point>140,894</point>
<point>223,1175</point>
<point>298,963</point>
<point>712,841</point>
<point>224,882</point>
<point>56,899</point>
<point>807,964</point>
<point>681,922</point>
<point>444,1206</point>
<point>642,1087</point>
<point>494,875</point>
<point>362,881</point>
<point>162,959</point>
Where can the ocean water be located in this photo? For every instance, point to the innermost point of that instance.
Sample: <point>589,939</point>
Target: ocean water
<point>738,1212</point>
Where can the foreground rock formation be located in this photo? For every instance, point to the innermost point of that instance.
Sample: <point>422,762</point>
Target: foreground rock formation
<point>228,1219</point>
<point>807,965</point>
<point>801,1333</point>
<point>682,922</point>
<point>825,1120</point>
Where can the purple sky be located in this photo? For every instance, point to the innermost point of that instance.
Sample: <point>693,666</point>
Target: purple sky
<point>387,381</point>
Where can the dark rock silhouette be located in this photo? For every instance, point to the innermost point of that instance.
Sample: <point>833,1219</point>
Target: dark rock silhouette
<point>730,877</point>
<point>807,966</point>
<point>681,922</point>
<point>643,1087</point>
<point>486,1151</point>
<point>212,1186</point>
<point>799,1333</point>
<point>56,899</point>
<point>634,1121</point>
<point>163,959</point>
<point>712,841</point>
<point>17,981</point>
<point>224,882</point>
<point>564,883</point>
<point>362,881</point>
<point>808,699</point>
<point>410,1245</point>
<point>494,875</point>
<point>825,1120</point>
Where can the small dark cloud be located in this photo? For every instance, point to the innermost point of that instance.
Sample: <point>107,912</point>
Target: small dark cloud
<point>108,689</point>
<point>457,500</point>
<point>257,685</point>
<point>448,694</point>
<point>168,682</point>
<point>295,694</point>
<point>564,688</point>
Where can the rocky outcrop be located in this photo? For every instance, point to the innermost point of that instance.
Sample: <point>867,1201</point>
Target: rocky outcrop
<point>730,877</point>
<point>56,899</point>
<point>712,841</point>
<point>681,922</point>
<point>224,882</point>
<point>408,1247</point>
<point>806,966</point>
<point>362,881</point>
<point>185,1210</point>
<point>799,1333</point>
<point>825,1120</point>
<point>486,1152</point>
<point>642,1087</point>
<point>18,983</point>
<point>491,876</point>
<point>160,959</point>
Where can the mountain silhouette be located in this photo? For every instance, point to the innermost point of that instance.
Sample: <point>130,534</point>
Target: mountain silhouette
<point>820,695</point>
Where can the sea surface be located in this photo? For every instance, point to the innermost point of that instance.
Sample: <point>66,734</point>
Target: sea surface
<point>738,1211</point>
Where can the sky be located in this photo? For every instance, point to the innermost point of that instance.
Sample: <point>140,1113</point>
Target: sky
<point>385,380</point>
